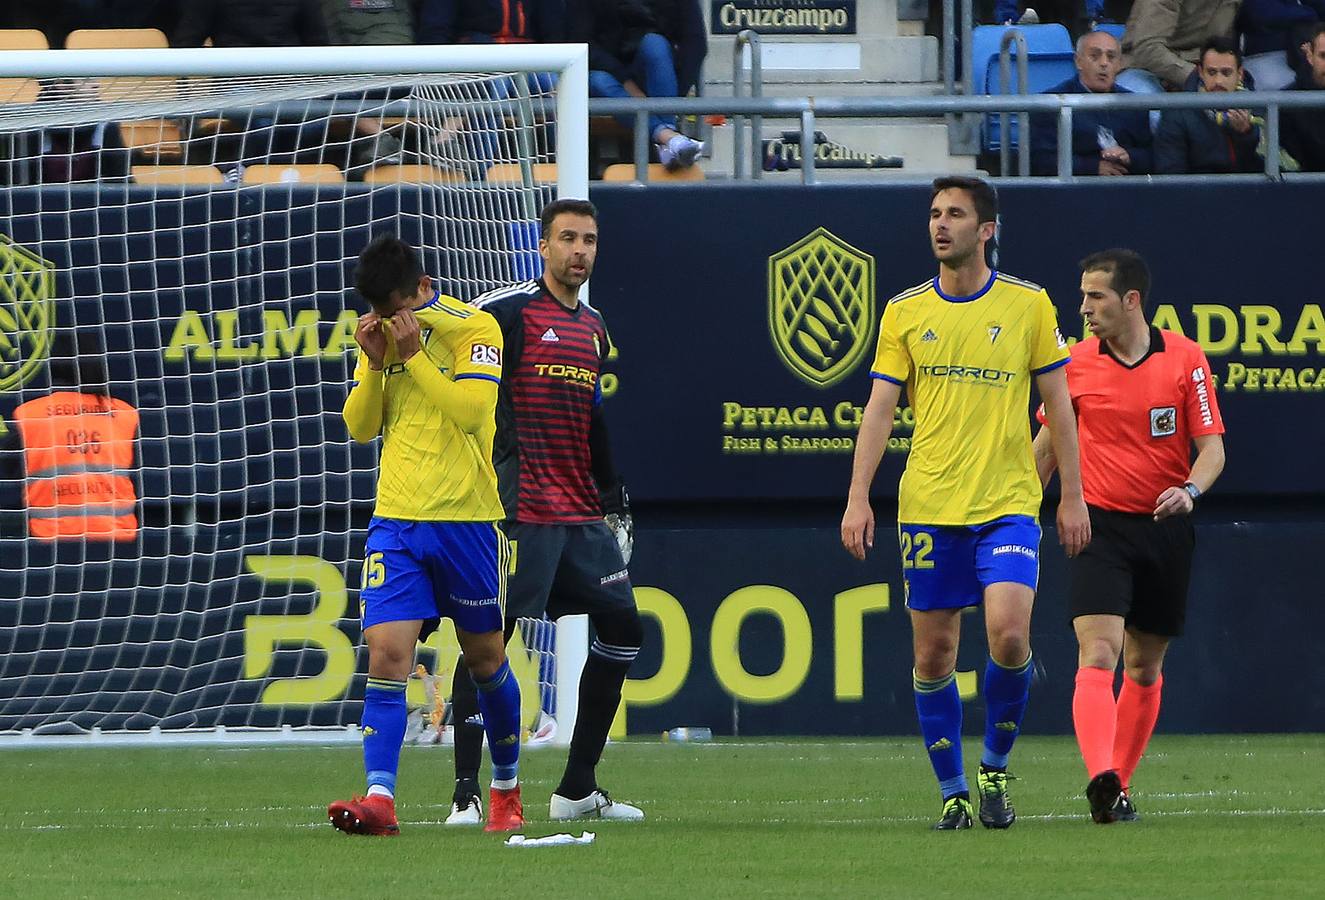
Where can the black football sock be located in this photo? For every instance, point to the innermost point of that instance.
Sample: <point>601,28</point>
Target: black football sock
<point>600,696</point>
<point>468,736</point>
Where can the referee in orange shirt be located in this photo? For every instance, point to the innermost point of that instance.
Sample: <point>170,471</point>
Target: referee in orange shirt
<point>1143,396</point>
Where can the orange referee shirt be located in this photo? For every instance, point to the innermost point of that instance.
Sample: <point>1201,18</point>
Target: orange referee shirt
<point>1135,423</point>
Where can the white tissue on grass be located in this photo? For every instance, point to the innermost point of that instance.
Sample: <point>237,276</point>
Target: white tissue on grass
<point>552,840</point>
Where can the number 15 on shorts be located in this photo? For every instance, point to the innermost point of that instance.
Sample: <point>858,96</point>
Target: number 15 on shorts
<point>374,571</point>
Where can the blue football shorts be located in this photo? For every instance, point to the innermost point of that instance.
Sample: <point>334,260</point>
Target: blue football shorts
<point>430,570</point>
<point>949,567</point>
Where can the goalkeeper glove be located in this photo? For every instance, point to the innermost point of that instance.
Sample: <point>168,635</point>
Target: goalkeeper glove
<point>616,509</point>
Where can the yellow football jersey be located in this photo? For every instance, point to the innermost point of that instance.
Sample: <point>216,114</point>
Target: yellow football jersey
<point>431,470</point>
<point>967,364</point>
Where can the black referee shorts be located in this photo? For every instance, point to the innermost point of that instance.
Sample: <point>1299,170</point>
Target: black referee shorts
<point>564,570</point>
<point>1136,568</point>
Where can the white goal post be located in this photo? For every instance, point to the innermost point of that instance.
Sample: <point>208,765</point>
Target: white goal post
<point>213,306</point>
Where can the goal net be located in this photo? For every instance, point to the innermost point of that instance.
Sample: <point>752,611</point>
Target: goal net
<point>183,513</point>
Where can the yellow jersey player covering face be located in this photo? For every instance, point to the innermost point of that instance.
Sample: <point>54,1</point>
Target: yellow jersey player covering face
<point>966,345</point>
<point>426,381</point>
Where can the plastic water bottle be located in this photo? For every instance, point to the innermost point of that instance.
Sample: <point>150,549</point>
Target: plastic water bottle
<point>688,735</point>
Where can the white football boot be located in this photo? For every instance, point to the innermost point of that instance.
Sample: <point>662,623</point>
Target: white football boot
<point>471,814</point>
<point>595,806</point>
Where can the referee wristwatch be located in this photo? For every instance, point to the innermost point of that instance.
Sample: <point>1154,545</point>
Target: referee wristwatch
<point>1192,491</point>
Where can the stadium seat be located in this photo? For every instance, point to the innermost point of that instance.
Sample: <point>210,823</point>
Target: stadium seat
<point>123,39</point>
<point>411,175</point>
<point>544,173</point>
<point>315,173</point>
<point>657,172</point>
<point>1112,28</point>
<point>1049,60</point>
<point>153,139</point>
<point>177,175</point>
<point>20,90</point>
<point>115,39</point>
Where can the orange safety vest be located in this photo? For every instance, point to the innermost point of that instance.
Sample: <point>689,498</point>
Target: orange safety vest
<point>78,449</point>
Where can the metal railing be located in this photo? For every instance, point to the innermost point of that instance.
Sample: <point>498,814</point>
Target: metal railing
<point>753,158</point>
<point>1023,87</point>
<point>808,110</point>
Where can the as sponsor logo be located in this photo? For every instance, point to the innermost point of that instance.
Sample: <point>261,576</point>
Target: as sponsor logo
<point>485,355</point>
<point>1016,550</point>
<point>27,313</point>
<point>821,307</point>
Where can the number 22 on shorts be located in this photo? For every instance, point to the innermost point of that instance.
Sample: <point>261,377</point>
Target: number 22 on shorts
<point>923,544</point>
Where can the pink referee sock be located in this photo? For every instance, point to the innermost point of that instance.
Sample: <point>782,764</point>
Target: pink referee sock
<point>1138,708</point>
<point>1094,718</point>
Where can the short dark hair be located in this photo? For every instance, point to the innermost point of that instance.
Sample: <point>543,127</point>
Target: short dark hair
<point>1222,45</point>
<point>565,205</point>
<point>78,361</point>
<point>1313,34</point>
<point>387,266</point>
<point>1126,269</point>
<point>982,194</point>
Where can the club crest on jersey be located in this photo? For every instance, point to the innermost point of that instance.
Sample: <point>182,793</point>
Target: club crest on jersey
<point>995,330</point>
<point>550,336</point>
<point>1163,421</point>
<point>597,347</point>
<point>27,313</point>
<point>821,307</point>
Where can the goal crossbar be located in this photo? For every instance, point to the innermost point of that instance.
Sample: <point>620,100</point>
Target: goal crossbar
<point>570,62</point>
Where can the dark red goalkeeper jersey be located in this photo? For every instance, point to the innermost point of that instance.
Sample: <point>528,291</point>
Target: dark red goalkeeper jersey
<point>553,360</point>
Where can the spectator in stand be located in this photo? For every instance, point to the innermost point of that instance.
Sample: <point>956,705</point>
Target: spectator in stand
<point>1303,130</point>
<point>1107,142</point>
<point>271,23</point>
<point>470,144</point>
<point>1272,35</point>
<point>1211,141</point>
<point>682,23</point>
<point>630,57</point>
<point>1075,15</point>
<point>360,22</point>
<point>491,22</point>
<point>1163,41</point>
<point>251,23</point>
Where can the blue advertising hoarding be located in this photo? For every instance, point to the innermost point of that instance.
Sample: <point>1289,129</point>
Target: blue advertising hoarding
<point>743,353</point>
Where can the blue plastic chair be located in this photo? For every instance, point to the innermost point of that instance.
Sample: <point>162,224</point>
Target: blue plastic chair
<point>1112,28</point>
<point>1049,61</point>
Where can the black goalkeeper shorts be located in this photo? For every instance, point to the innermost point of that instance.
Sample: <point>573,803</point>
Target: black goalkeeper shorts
<point>564,570</point>
<point>1136,568</point>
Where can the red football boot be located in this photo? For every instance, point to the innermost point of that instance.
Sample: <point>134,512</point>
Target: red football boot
<point>365,815</point>
<point>505,811</point>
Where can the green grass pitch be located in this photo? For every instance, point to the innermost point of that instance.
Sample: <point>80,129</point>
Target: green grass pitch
<point>1222,816</point>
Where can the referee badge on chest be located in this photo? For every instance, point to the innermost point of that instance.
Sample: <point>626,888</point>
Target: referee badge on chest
<point>1163,421</point>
